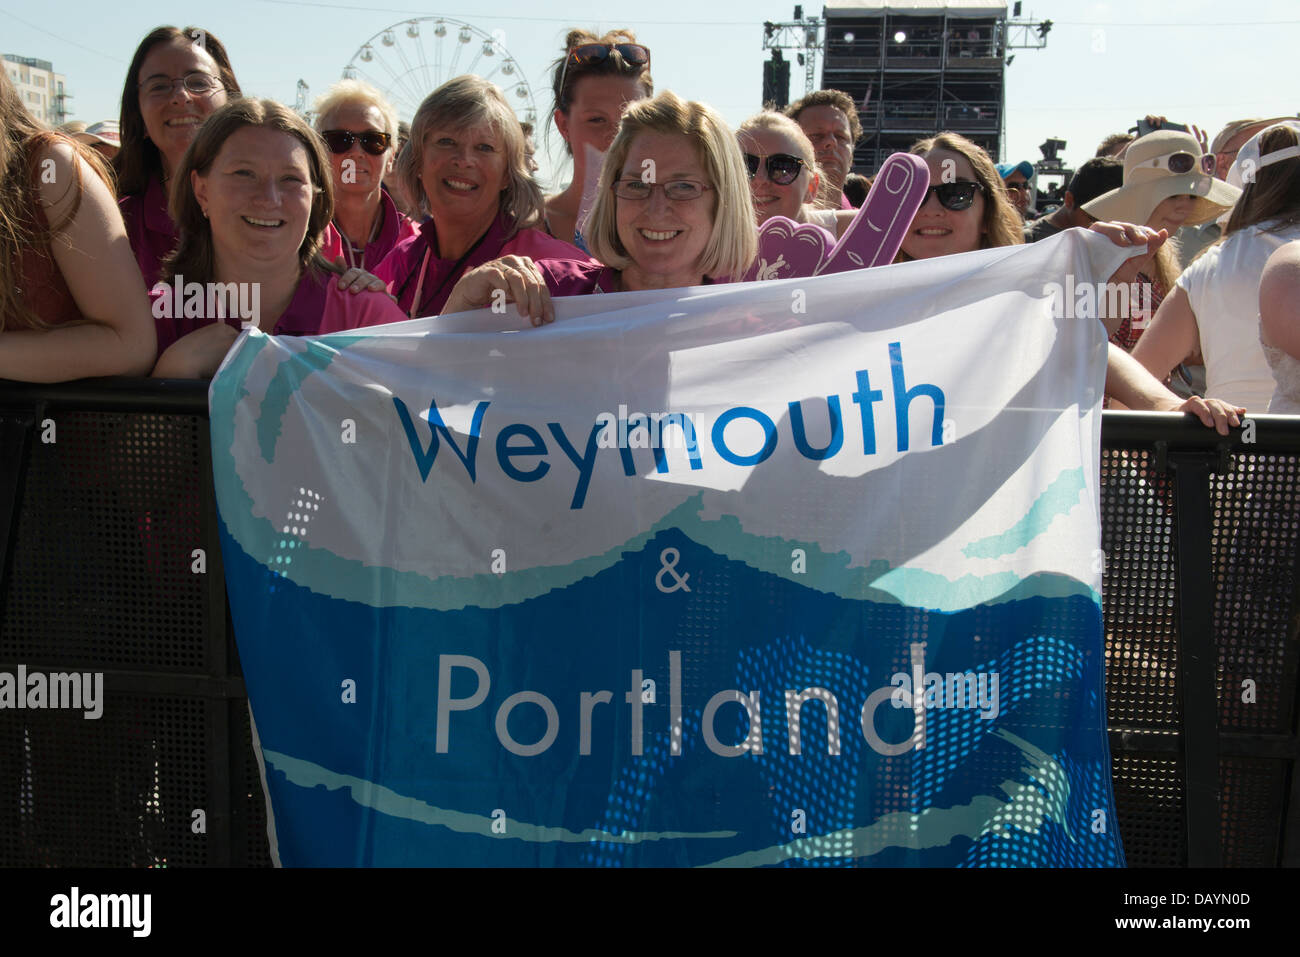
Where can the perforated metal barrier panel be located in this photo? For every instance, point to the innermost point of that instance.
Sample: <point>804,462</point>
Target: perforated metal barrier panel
<point>112,565</point>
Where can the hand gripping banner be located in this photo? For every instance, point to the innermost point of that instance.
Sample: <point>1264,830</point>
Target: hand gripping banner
<point>801,572</point>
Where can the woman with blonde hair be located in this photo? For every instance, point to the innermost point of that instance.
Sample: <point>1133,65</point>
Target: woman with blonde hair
<point>252,198</point>
<point>784,177</point>
<point>1214,307</point>
<point>673,209</point>
<point>592,85</point>
<point>72,303</point>
<point>360,129</point>
<point>465,163</point>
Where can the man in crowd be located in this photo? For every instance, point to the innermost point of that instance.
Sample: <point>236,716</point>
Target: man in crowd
<point>830,120</point>
<point>1016,178</point>
<point>1099,175</point>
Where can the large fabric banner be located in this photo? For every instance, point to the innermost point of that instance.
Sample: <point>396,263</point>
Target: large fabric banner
<point>802,572</point>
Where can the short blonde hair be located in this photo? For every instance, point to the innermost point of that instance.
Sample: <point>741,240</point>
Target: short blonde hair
<point>734,241</point>
<point>457,105</point>
<point>356,93</point>
<point>770,121</point>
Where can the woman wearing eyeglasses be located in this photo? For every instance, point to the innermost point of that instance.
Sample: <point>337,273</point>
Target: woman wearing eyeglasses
<point>592,84</point>
<point>360,129</point>
<point>673,209</point>
<point>465,162</point>
<point>1168,184</point>
<point>966,209</point>
<point>176,78</point>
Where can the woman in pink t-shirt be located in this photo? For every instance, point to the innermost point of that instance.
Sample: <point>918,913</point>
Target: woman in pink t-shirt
<point>257,199</point>
<point>175,81</point>
<point>465,163</point>
<point>673,209</point>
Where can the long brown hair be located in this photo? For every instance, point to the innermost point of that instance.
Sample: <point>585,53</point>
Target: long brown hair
<point>23,228</point>
<point>138,160</point>
<point>1274,191</point>
<point>564,80</point>
<point>193,256</point>
<point>1002,224</point>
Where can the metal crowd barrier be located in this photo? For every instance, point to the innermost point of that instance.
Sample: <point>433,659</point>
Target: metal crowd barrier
<point>111,563</point>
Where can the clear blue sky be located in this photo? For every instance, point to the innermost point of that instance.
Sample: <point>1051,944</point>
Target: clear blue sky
<point>1198,61</point>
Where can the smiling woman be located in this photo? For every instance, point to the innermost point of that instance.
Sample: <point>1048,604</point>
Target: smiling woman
<point>672,209</point>
<point>465,162</point>
<point>252,199</point>
<point>176,79</point>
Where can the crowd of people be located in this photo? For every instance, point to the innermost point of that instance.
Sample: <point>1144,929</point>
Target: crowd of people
<point>363,221</point>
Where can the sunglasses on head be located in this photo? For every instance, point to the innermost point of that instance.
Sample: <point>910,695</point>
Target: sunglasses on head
<point>1182,162</point>
<point>372,141</point>
<point>782,168</point>
<point>589,54</point>
<point>955,196</point>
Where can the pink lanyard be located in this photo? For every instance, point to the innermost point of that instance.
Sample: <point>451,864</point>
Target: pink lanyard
<point>419,286</point>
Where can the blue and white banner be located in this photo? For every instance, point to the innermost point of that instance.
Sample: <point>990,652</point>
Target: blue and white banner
<point>796,572</point>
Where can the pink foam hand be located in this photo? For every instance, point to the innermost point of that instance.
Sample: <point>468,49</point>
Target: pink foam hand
<point>789,250</point>
<point>877,232</point>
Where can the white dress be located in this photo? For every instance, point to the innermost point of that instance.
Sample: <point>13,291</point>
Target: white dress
<point>1286,374</point>
<point>1223,289</point>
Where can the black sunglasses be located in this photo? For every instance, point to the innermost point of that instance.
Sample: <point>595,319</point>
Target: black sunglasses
<point>589,54</point>
<point>782,168</point>
<point>955,196</point>
<point>372,141</point>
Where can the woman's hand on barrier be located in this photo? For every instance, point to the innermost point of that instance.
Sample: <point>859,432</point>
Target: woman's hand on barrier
<point>1213,413</point>
<point>198,354</point>
<point>356,279</point>
<point>509,279</point>
<point>1127,234</point>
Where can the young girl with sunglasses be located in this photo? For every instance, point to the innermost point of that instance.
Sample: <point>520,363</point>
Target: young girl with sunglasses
<point>593,83</point>
<point>176,79</point>
<point>359,128</point>
<point>784,177</point>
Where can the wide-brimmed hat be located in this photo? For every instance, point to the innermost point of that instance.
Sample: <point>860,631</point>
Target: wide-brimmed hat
<point>105,131</point>
<point>1159,165</point>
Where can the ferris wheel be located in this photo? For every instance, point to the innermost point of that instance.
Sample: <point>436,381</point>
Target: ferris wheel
<point>410,59</point>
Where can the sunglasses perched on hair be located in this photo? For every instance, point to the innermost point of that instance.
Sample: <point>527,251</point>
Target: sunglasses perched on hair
<point>589,54</point>
<point>372,141</point>
<point>782,168</point>
<point>1181,162</point>
<point>955,196</point>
